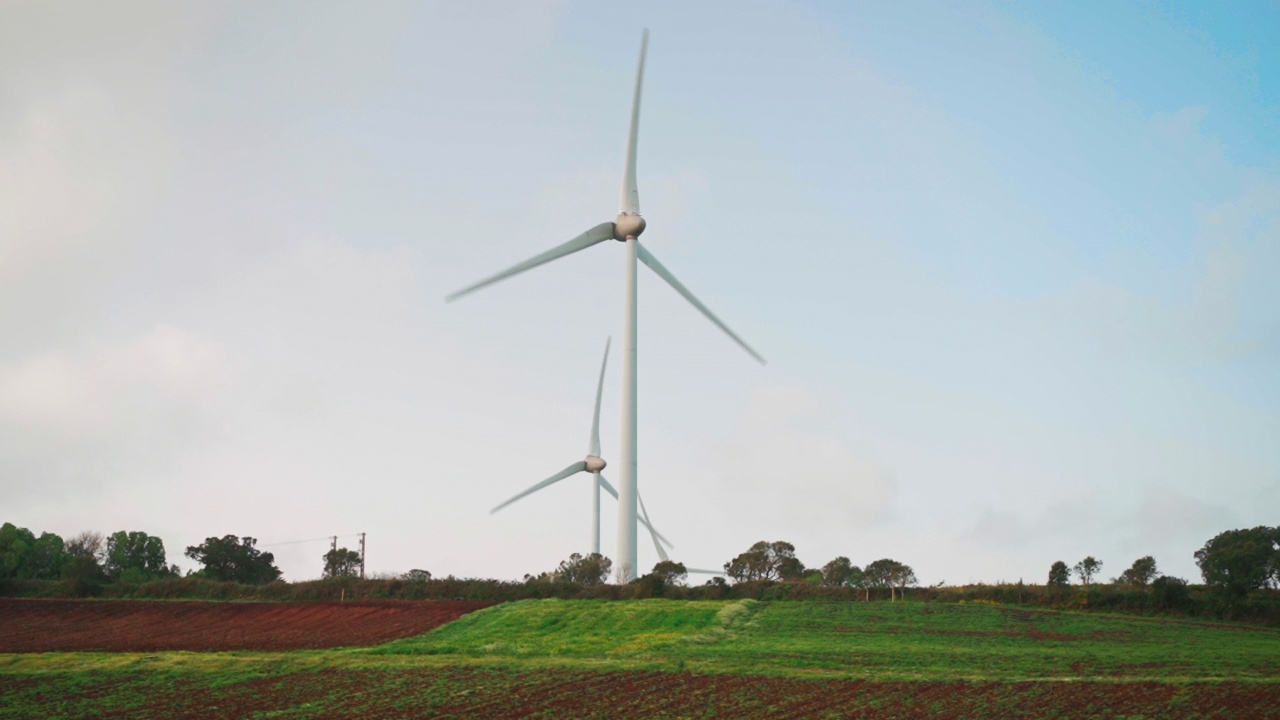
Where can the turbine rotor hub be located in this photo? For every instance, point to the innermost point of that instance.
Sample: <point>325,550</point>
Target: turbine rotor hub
<point>627,225</point>
<point>595,464</point>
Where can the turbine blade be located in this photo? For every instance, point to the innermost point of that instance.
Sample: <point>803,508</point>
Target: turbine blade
<point>704,572</point>
<point>571,470</point>
<point>662,554</point>
<point>597,234</point>
<point>609,488</point>
<point>647,258</point>
<point>630,195</point>
<point>594,449</point>
<point>652,531</point>
<point>653,534</point>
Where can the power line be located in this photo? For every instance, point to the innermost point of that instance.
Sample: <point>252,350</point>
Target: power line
<point>295,542</point>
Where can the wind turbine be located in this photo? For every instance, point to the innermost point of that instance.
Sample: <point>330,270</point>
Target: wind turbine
<point>626,228</point>
<point>593,464</point>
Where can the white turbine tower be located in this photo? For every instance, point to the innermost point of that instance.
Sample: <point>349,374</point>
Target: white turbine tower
<point>626,228</point>
<point>593,464</point>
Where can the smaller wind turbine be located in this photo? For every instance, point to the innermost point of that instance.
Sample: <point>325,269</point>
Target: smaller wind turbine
<point>593,464</point>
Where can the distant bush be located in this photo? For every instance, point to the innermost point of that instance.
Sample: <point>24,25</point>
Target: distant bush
<point>1165,596</point>
<point>24,587</point>
<point>1170,593</point>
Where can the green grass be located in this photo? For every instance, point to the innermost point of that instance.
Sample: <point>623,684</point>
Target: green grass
<point>520,649</point>
<point>877,640</point>
<point>982,642</point>
<point>599,629</point>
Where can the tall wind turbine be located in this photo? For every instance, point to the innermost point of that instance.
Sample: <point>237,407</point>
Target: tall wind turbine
<point>593,464</point>
<point>626,228</point>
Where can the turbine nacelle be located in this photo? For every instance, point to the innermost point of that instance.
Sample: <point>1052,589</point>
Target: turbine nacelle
<point>593,464</point>
<point>628,225</point>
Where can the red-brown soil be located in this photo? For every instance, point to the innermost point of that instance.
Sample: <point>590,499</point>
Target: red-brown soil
<point>498,694</point>
<point>156,625</point>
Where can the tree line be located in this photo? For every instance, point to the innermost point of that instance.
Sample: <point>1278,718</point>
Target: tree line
<point>85,559</point>
<point>1232,564</point>
<point>1235,565</point>
<point>777,562</point>
<point>763,563</point>
<point>90,559</point>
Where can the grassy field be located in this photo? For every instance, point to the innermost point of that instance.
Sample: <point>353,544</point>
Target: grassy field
<point>656,658</point>
<point>894,641</point>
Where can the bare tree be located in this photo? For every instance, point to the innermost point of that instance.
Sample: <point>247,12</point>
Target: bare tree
<point>1087,568</point>
<point>88,544</point>
<point>622,573</point>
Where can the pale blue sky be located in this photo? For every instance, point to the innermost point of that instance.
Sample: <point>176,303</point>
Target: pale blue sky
<point>1011,265</point>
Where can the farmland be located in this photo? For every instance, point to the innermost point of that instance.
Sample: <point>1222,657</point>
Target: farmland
<point>132,626</point>
<point>658,658</point>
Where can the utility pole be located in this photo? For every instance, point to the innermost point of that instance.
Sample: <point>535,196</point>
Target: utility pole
<point>333,543</point>
<point>361,556</point>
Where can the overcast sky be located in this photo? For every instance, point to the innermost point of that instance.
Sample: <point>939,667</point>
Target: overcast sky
<point>1012,266</point>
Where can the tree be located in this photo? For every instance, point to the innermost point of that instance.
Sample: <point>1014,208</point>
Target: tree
<point>890,574</point>
<point>858,579</point>
<point>47,557</point>
<point>1275,557</point>
<point>766,561</point>
<point>900,576</point>
<point>135,557</point>
<point>877,574</point>
<point>903,577</point>
<point>416,575</point>
<point>664,574</point>
<point>592,569</point>
<point>1236,562</point>
<point>15,547</point>
<point>1059,575</point>
<point>88,545</point>
<point>341,562</point>
<point>1087,568</point>
<point>837,572</point>
<point>670,572</point>
<point>716,587</point>
<point>232,559</point>
<point>83,565</point>
<point>1141,573</point>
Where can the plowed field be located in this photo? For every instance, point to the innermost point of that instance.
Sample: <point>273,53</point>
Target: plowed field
<point>503,693</point>
<point>152,626</point>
